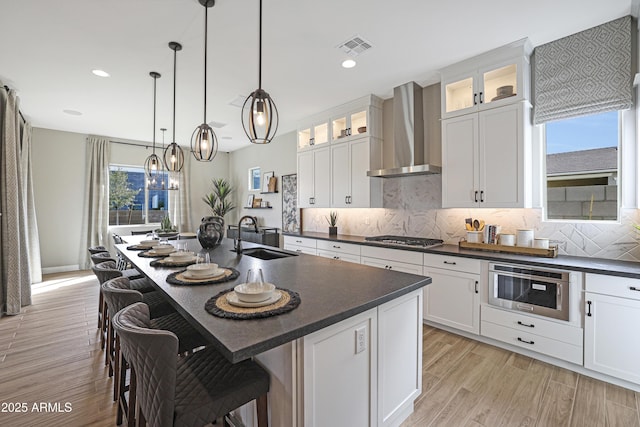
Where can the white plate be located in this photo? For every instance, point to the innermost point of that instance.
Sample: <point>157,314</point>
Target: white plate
<point>215,273</point>
<point>176,259</point>
<point>232,299</point>
<point>154,252</point>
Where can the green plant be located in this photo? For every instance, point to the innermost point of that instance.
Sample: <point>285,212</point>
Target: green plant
<point>120,192</point>
<point>220,199</point>
<point>165,224</point>
<point>332,219</point>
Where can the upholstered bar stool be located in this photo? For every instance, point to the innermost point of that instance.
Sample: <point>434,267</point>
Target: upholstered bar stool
<point>96,249</point>
<point>117,296</point>
<point>103,256</point>
<point>107,270</point>
<point>192,390</point>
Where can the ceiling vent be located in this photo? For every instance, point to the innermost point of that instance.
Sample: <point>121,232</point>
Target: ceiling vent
<point>355,46</point>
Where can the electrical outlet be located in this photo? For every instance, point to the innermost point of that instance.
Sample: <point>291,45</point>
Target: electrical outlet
<point>366,220</point>
<point>361,339</point>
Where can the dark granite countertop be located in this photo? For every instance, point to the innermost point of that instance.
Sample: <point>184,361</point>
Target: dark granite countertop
<point>330,291</point>
<point>584,264</point>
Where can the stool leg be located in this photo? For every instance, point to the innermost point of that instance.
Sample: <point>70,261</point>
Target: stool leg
<point>131,404</point>
<point>100,308</point>
<point>263,413</point>
<point>116,369</point>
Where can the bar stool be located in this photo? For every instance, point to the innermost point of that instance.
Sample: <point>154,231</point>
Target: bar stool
<point>130,273</point>
<point>192,390</point>
<point>117,296</point>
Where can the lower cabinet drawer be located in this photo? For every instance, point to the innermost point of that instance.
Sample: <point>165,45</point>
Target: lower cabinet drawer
<point>339,256</point>
<point>346,248</point>
<point>533,325</point>
<point>613,285</point>
<point>301,249</point>
<point>540,344</point>
<point>300,241</point>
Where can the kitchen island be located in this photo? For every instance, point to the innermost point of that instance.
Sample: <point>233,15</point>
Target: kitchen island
<point>349,354</point>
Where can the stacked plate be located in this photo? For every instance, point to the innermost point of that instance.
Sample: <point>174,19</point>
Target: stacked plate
<point>253,295</point>
<point>162,250</point>
<point>203,271</point>
<point>181,256</point>
<point>148,244</point>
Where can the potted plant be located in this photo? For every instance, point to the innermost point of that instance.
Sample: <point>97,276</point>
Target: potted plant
<point>211,230</point>
<point>332,219</point>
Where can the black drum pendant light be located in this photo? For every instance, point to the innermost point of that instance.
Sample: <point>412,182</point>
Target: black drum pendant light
<point>173,155</point>
<point>259,112</point>
<point>204,142</point>
<point>153,166</point>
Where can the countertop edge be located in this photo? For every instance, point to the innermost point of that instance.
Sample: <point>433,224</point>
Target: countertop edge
<point>606,266</point>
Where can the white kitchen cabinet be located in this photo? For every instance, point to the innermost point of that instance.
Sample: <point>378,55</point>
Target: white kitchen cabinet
<point>350,185</point>
<point>392,259</point>
<point>486,159</point>
<point>342,357</point>
<point>339,251</point>
<point>480,82</point>
<point>313,135</point>
<point>399,358</point>
<point>302,245</point>
<point>314,178</point>
<point>612,314</point>
<point>453,297</point>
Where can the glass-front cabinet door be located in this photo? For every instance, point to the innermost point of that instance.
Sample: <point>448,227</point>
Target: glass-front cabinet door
<point>460,95</point>
<point>346,125</point>
<point>311,136</point>
<point>500,83</point>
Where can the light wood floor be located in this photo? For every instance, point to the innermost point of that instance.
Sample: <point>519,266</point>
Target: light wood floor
<point>51,354</point>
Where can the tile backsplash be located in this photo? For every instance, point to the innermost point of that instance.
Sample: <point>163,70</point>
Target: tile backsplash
<point>412,207</point>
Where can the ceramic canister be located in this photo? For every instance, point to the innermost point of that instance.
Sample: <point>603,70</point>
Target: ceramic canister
<point>524,238</point>
<point>474,236</point>
<point>541,243</point>
<point>507,239</point>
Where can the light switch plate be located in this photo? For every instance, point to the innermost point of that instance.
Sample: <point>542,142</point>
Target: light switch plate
<point>361,339</point>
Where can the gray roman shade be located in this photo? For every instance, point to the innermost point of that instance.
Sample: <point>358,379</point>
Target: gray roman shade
<point>588,72</point>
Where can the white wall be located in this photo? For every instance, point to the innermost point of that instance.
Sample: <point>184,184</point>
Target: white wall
<point>280,157</point>
<point>59,173</point>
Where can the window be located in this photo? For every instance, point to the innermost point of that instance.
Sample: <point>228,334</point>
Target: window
<point>582,167</point>
<point>129,200</point>
<point>254,179</point>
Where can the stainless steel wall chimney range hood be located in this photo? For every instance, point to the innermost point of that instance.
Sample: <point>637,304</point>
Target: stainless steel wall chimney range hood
<point>408,135</point>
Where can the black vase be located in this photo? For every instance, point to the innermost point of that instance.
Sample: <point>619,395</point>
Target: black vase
<point>333,231</point>
<point>211,231</point>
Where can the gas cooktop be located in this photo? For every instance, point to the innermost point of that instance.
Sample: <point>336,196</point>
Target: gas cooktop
<point>420,242</point>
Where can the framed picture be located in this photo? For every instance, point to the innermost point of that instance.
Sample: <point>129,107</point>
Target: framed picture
<point>250,201</point>
<point>257,203</point>
<point>265,181</point>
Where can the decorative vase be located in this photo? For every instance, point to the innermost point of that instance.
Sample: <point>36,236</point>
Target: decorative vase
<point>211,231</point>
<point>333,231</point>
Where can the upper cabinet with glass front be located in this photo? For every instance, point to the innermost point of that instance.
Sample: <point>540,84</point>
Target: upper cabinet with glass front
<point>495,78</point>
<point>359,118</point>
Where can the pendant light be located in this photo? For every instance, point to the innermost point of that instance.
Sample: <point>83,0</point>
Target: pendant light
<point>153,167</point>
<point>172,181</point>
<point>173,155</point>
<point>204,142</point>
<point>259,112</point>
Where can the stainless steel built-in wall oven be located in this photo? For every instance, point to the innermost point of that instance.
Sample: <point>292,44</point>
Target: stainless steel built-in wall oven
<point>533,290</point>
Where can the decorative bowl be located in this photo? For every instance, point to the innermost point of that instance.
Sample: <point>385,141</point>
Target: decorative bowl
<point>362,129</point>
<point>254,292</point>
<point>163,249</point>
<point>202,270</point>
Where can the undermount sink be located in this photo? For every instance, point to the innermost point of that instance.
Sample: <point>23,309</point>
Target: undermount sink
<point>265,254</point>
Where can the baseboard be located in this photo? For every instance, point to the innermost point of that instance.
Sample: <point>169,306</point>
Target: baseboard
<point>61,269</point>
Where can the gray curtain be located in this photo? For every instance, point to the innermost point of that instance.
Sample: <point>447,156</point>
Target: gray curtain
<point>96,212</point>
<point>586,73</point>
<point>15,275</point>
<point>33,240</point>
<point>179,201</point>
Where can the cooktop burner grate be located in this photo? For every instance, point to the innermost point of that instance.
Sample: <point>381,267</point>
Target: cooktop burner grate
<point>405,240</point>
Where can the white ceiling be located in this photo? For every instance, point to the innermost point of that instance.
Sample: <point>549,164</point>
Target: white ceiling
<point>48,49</point>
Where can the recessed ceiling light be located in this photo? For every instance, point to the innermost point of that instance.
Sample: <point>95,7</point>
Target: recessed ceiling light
<point>72,112</point>
<point>348,63</point>
<point>100,73</point>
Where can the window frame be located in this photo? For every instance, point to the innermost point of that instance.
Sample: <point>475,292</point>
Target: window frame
<point>627,185</point>
<point>250,178</point>
<point>145,210</point>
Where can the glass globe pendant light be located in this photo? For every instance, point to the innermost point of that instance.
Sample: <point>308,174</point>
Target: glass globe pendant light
<point>173,156</point>
<point>259,112</point>
<point>153,167</point>
<point>204,142</point>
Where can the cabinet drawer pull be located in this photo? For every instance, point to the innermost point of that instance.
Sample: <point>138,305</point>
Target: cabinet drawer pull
<point>475,99</point>
<point>481,98</point>
<point>475,197</point>
<point>298,250</point>
<point>482,196</point>
<point>336,246</point>
<point>476,287</point>
<point>298,241</point>
<point>525,324</point>
<point>589,308</point>
<point>525,341</point>
<point>450,263</point>
<point>633,288</point>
